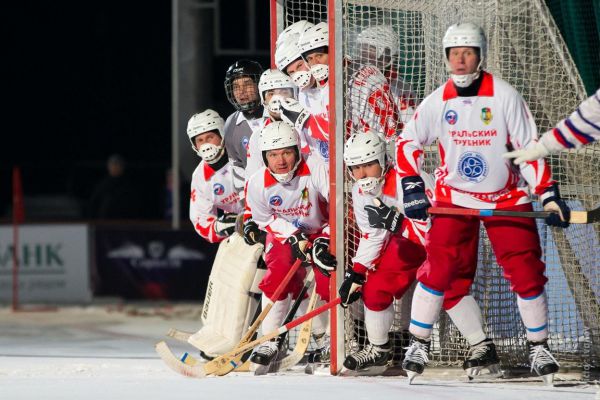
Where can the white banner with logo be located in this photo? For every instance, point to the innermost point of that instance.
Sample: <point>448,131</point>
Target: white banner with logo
<point>54,263</point>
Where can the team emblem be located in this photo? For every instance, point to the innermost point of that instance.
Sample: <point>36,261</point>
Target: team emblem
<point>472,167</point>
<point>486,115</point>
<point>304,195</point>
<point>451,117</point>
<point>218,189</point>
<point>245,142</point>
<point>276,201</point>
<point>324,149</point>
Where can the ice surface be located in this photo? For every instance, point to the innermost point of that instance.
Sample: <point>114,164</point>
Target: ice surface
<point>107,353</point>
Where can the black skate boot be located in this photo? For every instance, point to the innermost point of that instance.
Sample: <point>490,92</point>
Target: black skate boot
<point>263,356</point>
<point>400,341</point>
<point>416,357</point>
<point>482,357</point>
<point>372,360</point>
<point>322,354</point>
<point>542,361</point>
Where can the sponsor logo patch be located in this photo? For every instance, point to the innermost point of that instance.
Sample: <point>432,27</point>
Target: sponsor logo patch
<point>276,201</point>
<point>451,117</point>
<point>324,149</point>
<point>486,115</point>
<point>218,189</point>
<point>245,142</point>
<point>472,167</point>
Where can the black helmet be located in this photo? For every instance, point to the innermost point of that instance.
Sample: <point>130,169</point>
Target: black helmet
<point>239,69</point>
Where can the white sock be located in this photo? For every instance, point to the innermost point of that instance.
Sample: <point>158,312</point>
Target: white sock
<point>426,307</point>
<point>378,324</point>
<point>466,315</point>
<point>276,315</point>
<point>534,313</point>
<point>320,322</point>
<point>402,307</point>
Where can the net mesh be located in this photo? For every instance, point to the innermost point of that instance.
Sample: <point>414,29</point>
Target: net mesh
<point>525,49</point>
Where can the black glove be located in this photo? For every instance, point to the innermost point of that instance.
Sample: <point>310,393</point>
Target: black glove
<point>300,246</point>
<point>322,258</point>
<point>384,217</point>
<point>349,289</point>
<point>225,224</point>
<point>252,234</point>
<point>414,199</point>
<point>554,203</point>
<point>293,114</point>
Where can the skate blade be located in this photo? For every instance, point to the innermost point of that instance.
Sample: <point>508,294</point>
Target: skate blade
<point>371,371</point>
<point>548,379</point>
<point>411,376</point>
<point>259,369</point>
<point>317,369</point>
<point>482,373</point>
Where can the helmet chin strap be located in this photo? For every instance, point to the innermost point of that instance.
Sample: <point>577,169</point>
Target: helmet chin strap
<point>285,178</point>
<point>466,80</point>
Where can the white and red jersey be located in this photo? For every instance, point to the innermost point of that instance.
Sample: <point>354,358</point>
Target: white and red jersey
<point>577,130</point>
<point>372,240</point>
<point>283,209</point>
<point>212,190</point>
<point>472,134</point>
<point>403,95</point>
<point>373,105</point>
<point>315,135</point>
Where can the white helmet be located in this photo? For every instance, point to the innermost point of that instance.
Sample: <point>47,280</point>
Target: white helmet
<point>382,37</point>
<point>287,52</point>
<point>279,135</point>
<point>362,148</point>
<point>274,79</point>
<point>314,38</point>
<point>206,121</point>
<point>465,34</point>
<point>295,29</point>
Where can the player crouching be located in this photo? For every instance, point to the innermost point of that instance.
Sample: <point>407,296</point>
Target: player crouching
<point>288,198</point>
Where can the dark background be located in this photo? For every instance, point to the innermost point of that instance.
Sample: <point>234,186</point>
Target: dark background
<point>89,79</point>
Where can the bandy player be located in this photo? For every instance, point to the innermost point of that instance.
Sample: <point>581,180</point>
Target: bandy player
<point>474,116</point>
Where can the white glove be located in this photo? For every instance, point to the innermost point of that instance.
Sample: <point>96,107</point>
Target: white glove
<point>293,113</point>
<point>532,153</point>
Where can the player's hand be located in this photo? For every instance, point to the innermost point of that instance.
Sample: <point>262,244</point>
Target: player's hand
<point>300,247</point>
<point>225,224</point>
<point>252,234</point>
<point>323,259</point>
<point>349,290</point>
<point>561,213</point>
<point>414,199</point>
<point>535,152</point>
<point>293,113</point>
<point>384,217</point>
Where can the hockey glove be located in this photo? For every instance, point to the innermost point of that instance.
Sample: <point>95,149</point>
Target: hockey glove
<point>532,153</point>
<point>323,259</point>
<point>293,113</point>
<point>414,199</point>
<point>225,224</point>
<point>384,217</point>
<point>300,247</point>
<point>561,213</point>
<point>252,234</point>
<point>349,289</point>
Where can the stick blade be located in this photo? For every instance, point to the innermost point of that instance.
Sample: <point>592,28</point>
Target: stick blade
<point>165,353</point>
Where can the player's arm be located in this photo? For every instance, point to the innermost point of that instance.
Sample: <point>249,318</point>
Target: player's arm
<point>204,217</point>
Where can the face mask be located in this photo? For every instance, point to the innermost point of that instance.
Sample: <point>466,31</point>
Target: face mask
<point>301,79</point>
<point>320,72</point>
<point>210,153</point>
<point>274,105</point>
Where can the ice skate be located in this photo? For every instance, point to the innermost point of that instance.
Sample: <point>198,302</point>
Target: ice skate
<point>542,361</point>
<point>400,341</point>
<point>263,356</point>
<point>372,360</point>
<point>319,359</point>
<point>416,357</point>
<point>482,361</point>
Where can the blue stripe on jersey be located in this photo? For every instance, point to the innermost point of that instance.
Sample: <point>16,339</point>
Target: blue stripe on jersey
<point>541,328</point>
<point>421,324</point>
<point>582,137</point>
<point>532,297</point>
<point>588,121</point>
<point>564,139</point>
<point>434,292</point>
<point>486,213</point>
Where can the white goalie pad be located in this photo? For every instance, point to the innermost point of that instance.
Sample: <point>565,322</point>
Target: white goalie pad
<point>229,303</point>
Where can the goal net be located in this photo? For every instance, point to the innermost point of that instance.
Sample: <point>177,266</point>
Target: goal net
<point>524,48</point>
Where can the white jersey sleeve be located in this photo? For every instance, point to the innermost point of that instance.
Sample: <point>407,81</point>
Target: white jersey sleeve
<point>578,129</point>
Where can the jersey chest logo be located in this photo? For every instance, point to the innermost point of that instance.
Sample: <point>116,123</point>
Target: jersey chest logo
<point>218,189</point>
<point>245,142</point>
<point>486,115</point>
<point>275,201</point>
<point>324,149</point>
<point>451,117</point>
<point>472,167</point>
